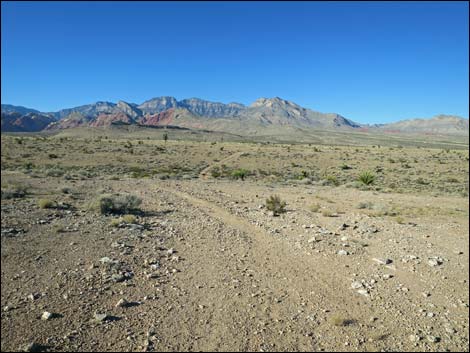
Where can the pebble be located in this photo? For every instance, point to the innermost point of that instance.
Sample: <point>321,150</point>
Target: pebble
<point>356,285</point>
<point>382,261</point>
<point>432,339</point>
<point>118,277</point>
<point>414,338</point>
<point>46,316</point>
<point>100,317</point>
<point>342,252</point>
<point>363,292</point>
<point>122,303</point>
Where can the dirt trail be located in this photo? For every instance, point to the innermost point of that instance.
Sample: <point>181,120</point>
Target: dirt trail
<point>296,285</point>
<point>203,173</point>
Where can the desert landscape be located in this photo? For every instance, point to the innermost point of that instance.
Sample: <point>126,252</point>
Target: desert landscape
<point>122,240</point>
<point>246,176</point>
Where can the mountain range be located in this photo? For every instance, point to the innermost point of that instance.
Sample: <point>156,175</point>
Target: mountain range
<point>265,115</point>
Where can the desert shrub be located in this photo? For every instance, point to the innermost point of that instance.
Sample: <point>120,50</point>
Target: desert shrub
<point>28,165</point>
<point>14,191</point>
<point>303,174</point>
<point>366,177</point>
<point>129,218</point>
<point>400,220</point>
<point>46,203</point>
<point>55,172</point>
<point>239,173</point>
<point>362,205</point>
<point>315,207</point>
<point>215,172</point>
<point>116,203</point>
<point>338,320</point>
<point>276,205</point>
<point>327,213</point>
<point>331,180</point>
<point>421,181</point>
<point>115,222</point>
<point>52,155</point>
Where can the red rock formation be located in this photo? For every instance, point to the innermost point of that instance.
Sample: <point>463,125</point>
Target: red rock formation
<point>108,119</point>
<point>163,118</point>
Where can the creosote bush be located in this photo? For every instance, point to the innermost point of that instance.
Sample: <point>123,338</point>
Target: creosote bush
<point>129,218</point>
<point>116,204</point>
<point>240,174</point>
<point>14,191</point>
<point>46,203</point>
<point>276,205</point>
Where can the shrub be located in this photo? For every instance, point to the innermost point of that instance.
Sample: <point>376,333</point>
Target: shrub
<point>240,174</point>
<point>368,205</point>
<point>344,166</point>
<point>117,203</point>
<point>115,222</point>
<point>129,218</point>
<point>215,172</point>
<point>366,177</point>
<point>315,207</point>
<point>55,172</point>
<point>338,320</point>
<point>276,205</point>
<point>331,180</point>
<point>327,213</point>
<point>14,192</point>
<point>46,203</point>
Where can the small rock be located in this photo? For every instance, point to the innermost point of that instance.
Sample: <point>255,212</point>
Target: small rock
<point>33,296</point>
<point>363,291</point>
<point>432,339</point>
<point>414,338</point>
<point>122,303</point>
<point>434,262</point>
<point>382,261</point>
<point>356,285</point>
<point>99,317</point>
<point>118,277</point>
<point>342,252</point>
<point>46,316</point>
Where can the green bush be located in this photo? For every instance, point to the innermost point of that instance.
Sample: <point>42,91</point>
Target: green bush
<point>215,172</point>
<point>14,191</point>
<point>366,177</point>
<point>276,205</point>
<point>331,180</point>
<point>116,204</point>
<point>46,203</point>
<point>240,174</point>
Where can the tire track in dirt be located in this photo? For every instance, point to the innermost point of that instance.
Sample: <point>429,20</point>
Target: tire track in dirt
<point>312,283</point>
<point>203,173</point>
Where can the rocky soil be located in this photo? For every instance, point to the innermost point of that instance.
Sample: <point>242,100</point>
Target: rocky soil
<point>205,266</point>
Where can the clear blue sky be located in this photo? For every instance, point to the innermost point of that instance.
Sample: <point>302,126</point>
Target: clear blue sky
<point>371,62</point>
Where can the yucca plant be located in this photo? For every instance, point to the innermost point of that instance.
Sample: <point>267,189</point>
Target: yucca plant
<point>366,177</point>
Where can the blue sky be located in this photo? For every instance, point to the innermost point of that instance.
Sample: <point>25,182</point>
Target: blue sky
<point>371,62</point>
